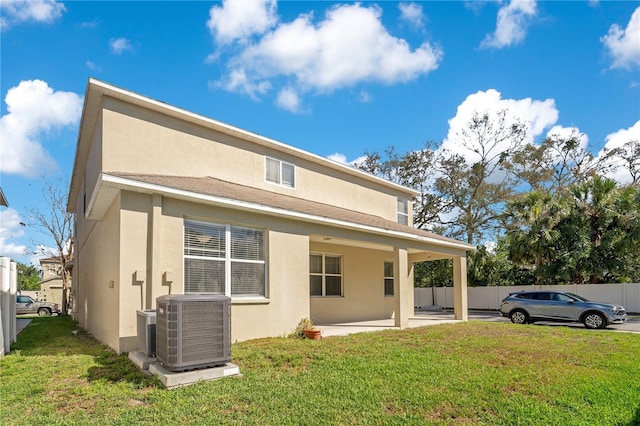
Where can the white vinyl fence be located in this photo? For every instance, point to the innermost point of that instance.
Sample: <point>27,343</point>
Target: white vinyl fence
<point>627,295</point>
<point>8,282</point>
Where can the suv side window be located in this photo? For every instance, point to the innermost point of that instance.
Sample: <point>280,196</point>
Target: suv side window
<point>561,297</point>
<point>541,296</point>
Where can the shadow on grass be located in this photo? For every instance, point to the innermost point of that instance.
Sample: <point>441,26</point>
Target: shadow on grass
<point>635,421</point>
<point>61,336</point>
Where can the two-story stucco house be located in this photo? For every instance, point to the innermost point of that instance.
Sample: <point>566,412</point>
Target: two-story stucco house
<point>171,202</point>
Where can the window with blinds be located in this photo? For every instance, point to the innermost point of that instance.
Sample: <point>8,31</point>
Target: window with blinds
<point>325,275</point>
<point>223,259</point>
<point>280,173</point>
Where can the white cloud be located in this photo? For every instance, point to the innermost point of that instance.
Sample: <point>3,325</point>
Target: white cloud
<point>15,12</point>
<point>624,44</point>
<point>412,13</point>
<point>348,47</point>
<point>338,157</point>
<point>10,228</point>
<point>289,100</point>
<point>341,158</point>
<point>241,19</point>
<point>237,81</point>
<point>89,24</point>
<point>565,133</point>
<point>512,23</point>
<point>119,45</point>
<point>617,140</point>
<point>34,110</point>
<point>92,66</point>
<point>536,115</point>
<point>364,97</point>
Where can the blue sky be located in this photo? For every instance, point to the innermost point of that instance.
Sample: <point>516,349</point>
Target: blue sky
<point>336,79</point>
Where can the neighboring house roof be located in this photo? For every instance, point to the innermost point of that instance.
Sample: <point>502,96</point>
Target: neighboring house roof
<point>91,112</point>
<point>232,195</point>
<point>3,199</point>
<point>53,278</point>
<point>54,259</point>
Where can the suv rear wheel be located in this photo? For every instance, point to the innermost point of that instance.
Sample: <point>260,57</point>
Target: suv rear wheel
<point>519,316</point>
<point>594,320</point>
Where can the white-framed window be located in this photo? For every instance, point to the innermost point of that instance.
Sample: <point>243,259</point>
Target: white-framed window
<point>280,173</point>
<point>388,278</point>
<point>224,259</point>
<point>403,211</point>
<point>325,275</point>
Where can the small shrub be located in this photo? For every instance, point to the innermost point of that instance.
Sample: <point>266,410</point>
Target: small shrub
<point>304,324</point>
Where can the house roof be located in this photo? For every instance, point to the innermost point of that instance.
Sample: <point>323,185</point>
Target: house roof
<point>3,199</point>
<point>96,90</point>
<point>53,259</point>
<point>232,195</point>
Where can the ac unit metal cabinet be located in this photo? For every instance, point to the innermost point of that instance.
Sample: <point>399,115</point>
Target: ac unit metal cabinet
<point>147,331</point>
<point>193,331</point>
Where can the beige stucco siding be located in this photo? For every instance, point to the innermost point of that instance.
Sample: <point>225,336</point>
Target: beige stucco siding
<point>96,278</point>
<point>93,166</point>
<point>287,298</point>
<point>134,230</point>
<point>363,286</point>
<point>140,141</point>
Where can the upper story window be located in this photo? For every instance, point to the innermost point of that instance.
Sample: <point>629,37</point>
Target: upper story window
<point>280,173</point>
<point>403,211</point>
<point>224,259</point>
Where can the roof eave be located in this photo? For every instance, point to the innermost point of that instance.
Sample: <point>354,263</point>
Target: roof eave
<point>109,183</point>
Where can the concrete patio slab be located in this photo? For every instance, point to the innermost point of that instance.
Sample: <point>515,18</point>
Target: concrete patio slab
<point>420,319</point>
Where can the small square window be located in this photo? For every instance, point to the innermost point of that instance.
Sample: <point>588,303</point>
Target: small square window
<point>280,173</point>
<point>325,275</point>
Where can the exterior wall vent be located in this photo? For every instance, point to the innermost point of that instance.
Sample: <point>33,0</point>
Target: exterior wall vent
<point>193,331</point>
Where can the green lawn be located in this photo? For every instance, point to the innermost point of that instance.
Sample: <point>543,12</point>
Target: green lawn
<point>473,373</point>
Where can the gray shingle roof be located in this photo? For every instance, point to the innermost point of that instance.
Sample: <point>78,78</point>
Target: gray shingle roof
<point>219,188</point>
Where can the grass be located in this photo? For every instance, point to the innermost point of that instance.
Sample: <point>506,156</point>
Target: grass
<point>470,374</point>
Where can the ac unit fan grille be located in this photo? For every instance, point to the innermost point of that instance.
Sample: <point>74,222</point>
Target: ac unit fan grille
<point>193,331</point>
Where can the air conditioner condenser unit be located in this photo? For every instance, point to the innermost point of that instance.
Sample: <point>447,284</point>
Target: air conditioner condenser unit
<point>193,331</point>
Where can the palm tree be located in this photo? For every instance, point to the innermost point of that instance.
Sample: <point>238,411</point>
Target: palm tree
<point>532,233</point>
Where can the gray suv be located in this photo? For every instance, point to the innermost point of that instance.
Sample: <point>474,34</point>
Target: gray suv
<point>529,306</point>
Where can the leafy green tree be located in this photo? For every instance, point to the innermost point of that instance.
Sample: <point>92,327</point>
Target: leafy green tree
<point>532,231</point>
<point>28,277</point>
<point>492,267</point>
<point>435,273</point>
<point>590,234</point>
<point>604,224</point>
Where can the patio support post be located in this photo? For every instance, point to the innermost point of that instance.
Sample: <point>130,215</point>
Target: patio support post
<point>460,304</point>
<point>402,287</point>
